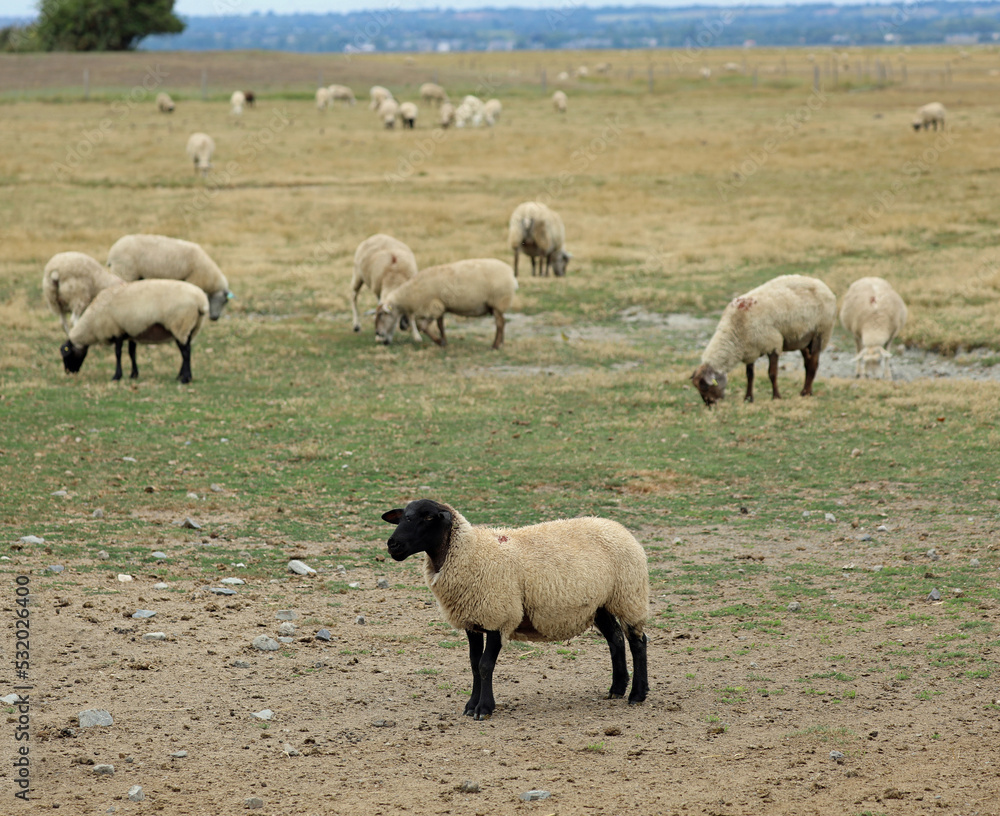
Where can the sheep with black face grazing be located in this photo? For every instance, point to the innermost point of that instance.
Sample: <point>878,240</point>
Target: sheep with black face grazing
<point>546,582</point>
<point>71,280</point>
<point>788,313</point>
<point>200,147</point>
<point>408,113</point>
<point>538,232</point>
<point>930,114</point>
<point>874,314</point>
<point>164,104</point>
<point>383,263</point>
<point>149,311</point>
<point>433,94</point>
<point>341,93</point>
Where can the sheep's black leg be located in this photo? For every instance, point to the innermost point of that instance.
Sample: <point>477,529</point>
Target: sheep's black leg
<point>515,263</point>
<point>442,340</point>
<point>481,702</point>
<point>185,373</point>
<point>498,337</point>
<point>640,680</point>
<point>810,356</point>
<point>749,396</point>
<point>131,355</point>
<point>772,373</point>
<point>118,358</point>
<point>607,625</point>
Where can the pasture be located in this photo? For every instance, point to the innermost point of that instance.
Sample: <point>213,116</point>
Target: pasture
<point>793,545</point>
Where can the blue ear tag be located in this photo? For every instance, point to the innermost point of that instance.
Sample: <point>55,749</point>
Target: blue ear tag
<point>230,296</point>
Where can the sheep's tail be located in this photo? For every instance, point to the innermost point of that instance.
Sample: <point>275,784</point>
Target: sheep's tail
<point>527,225</point>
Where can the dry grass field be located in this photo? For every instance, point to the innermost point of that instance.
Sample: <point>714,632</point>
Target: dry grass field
<point>677,193</point>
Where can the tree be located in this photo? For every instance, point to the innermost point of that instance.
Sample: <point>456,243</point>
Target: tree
<point>102,25</point>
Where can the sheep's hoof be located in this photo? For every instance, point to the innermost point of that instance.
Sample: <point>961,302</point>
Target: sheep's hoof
<point>357,328</point>
<point>614,696</point>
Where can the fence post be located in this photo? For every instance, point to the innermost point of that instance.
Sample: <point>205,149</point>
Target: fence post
<point>86,83</point>
<point>204,84</point>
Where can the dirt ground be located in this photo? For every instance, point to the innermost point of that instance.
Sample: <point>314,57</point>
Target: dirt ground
<point>371,721</point>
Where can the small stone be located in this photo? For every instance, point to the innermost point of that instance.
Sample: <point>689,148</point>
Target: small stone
<point>341,569</point>
<point>934,595</point>
<point>155,636</point>
<point>103,555</point>
<point>125,578</point>
<point>974,562</point>
<point>806,514</point>
<point>877,568</point>
<point>179,754</point>
<point>57,568</point>
<point>240,664</point>
<point>299,568</point>
<point>188,523</point>
<point>11,699</point>
<point>286,640</point>
<point>837,757</point>
<point>381,583</point>
<point>192,496</point>
<point>93,717</point>
<point>794,606</point>
<point>265,644</point>
<point>355,585</point>
<point>287,628</point>
<point>104,770</point>
<point>829,517</point>
<point>288,750</point>
<point>324,634</point>
<point>220,590</point>
<point>233,581</point>
<point>855,453</point>
<point>60,493</point>
<point>933,554</point>
<point>135,793</point>
<point>158,554</point>
<point>266,714</point>
<point>31,539</point>
<point>864,537</point>
<point>217,488</point>
<point>384,723</point>
<point>958,593</point>
<point>99,514</point>
<point>253,803</point>
<point>533,795</point>
<point>286,615</point>
<point>881,529</point>
<point>143,613</point>
<point>161,585</point>
<point>360,620</point>
<point>128,459</point>
<point>468,786</point>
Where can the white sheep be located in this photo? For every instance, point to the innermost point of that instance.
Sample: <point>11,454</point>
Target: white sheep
<point>446,115</point>
<point>491,111</point>
<point>164,104</point>
<point>387,112</point>
<point>341,93</point>
<point>383,264</point>
<point>200,147</point>
<point>538,231</point>
<point>408,113</point>
<point>788,313</point>
<point>705,72</point>
<point>930,114</point>
<point>378,95</point>
<point>236,103</point>
<point>874,313</point>
<point>470,288</point>
<point>433,94</point>
<point>545,582</point>
<point>149,311</point>
<point>559,101</point>
<point>323,98</point>
<point>135,257</point>
<point>470,112</point>
<point>71,280</point>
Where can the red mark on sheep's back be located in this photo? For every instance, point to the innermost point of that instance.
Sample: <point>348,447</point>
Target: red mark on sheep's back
<point>872,301</point>
<point>502,539</point>
<point>743,303</point>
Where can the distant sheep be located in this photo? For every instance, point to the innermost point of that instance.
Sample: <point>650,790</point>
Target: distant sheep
<point>788,313</point>
<point>874,314</point>
<point>236,102</point>
<point>250,97</point>
<point>323,98</point>
<point>387,112</point>
<point>559,101</point>
<point>546,582</point>
<point>408,113</point>
<point>200,147</point>
<point>470,112</point>
<point>433,94</point>
<point>470,288</point>
<point>491,111</point>
<point>538,232</point>
<point>164,104</point>
<point>383,264</point>
<point>151,311</point>
<point>378,95</point>
<point>446,115</point>
<point>140,256</point>
<point>341,93</point>
<point>930,114</point>
<point>71,280</point>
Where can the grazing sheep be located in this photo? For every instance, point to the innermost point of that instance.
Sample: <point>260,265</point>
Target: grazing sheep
<point>236,102</point>
<point>788,313</point>
<point>200,148</point>
<point>164,104</point>
<point>341,93</point>
<point>71,281</point>
<point>446,115</point>
<point>559,101</point>
<point>135,257</point>
<point>387,112</point>
<point>150,311</point>
<point>250,97</point>
<point>378,95</point>
<point>433,94</point>
<point>470,288</point>
<point>874,313</point>
<point>705,72</point>
<point>603,68</point>
<point>323,98</point>
<point>408,113</point>
<point>470,112</point>
<point>546,582</point>
<point>384,264</point>
<point>491,111</point>
<point>538,231</point>
<point>930,114</point>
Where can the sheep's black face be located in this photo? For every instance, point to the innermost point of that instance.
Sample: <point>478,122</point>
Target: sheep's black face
<point>422,526</point>
<point>710,384</point>
<point>72,356</point>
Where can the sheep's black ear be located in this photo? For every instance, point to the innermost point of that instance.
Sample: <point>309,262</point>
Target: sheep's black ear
<point>393,516</point>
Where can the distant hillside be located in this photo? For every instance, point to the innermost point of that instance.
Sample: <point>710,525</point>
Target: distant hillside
<point>569,26</point>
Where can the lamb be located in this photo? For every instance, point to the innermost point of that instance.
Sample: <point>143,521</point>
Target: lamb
<point>408,113</point>
<point>150,311</point>
<point>930,114</point>
<point>323,98</point>
<point>470,112</point>
<point>446,115</point>
<point>471,288</point>
<point>236,102</point>
<point>433,94</point>
<point>546,582</point>
<point>341,93</point>
<point>71,281</point>
<point>200,148</point>
<point>559,101</point>
<point>388,111</point>
<point>164,104</point>
<point>135,257</point>
<point>788,313</point>
<point>384,264</point>
<point>874,313</point>
<point>538,231</point>
<point>378,95</point>
<point>491,111</point>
